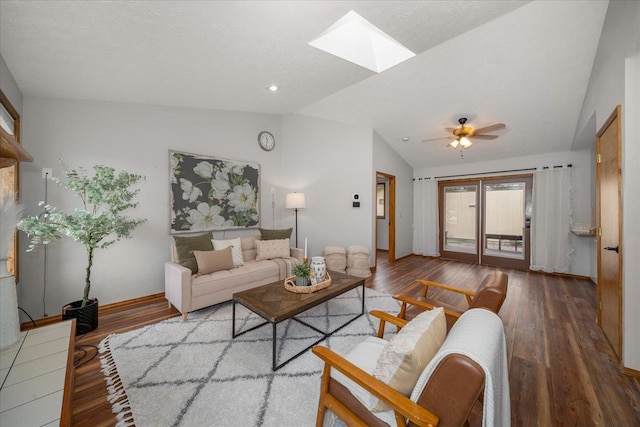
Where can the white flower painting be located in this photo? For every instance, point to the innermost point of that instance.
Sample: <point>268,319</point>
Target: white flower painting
<point>212,194</point>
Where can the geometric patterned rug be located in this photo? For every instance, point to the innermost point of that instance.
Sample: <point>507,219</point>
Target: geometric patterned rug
<point>193,373</point>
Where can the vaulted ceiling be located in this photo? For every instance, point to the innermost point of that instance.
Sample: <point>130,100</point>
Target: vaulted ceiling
<point>525,64</point>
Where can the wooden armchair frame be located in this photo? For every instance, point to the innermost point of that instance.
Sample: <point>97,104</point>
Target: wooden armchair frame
<point>454,391</point>
<point>469,295</point>
<point>386,317</point>
<point>454,387</point>
<point>401,405</point>
<point>490,295</point>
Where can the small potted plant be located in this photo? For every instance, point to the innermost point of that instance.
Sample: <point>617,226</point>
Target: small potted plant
<point>302,272</point>
<point>99,223</point>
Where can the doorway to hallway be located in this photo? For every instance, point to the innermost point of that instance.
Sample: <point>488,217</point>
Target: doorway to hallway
<point>385,215</point>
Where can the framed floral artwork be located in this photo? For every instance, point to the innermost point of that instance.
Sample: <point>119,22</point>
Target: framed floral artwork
<point>208,193</point>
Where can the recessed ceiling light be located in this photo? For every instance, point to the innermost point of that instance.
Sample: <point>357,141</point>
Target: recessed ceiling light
<point>273,88</point>
<point>357,40</point>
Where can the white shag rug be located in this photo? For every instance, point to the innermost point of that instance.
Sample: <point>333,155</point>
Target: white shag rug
<point>193,373</point>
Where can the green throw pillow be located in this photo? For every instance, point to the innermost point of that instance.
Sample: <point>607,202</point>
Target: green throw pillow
<point>275,234</point>
<point>185,247</point>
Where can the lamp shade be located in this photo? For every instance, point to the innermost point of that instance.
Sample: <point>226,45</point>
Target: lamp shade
<point>295,201</point>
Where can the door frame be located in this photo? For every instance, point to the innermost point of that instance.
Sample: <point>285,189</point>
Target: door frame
<point>615,115</point>
<point>479,257</point>
<point>391,179</point>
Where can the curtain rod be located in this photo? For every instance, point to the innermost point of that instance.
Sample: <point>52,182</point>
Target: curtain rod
<point>487,173</point>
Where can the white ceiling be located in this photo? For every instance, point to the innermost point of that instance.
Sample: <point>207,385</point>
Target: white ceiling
<point>520,63</point>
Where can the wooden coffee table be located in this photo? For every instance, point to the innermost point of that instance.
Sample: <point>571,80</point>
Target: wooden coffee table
<point>275,304</point>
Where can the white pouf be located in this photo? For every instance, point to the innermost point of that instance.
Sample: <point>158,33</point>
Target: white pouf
<point>358,261</point>
<point>335,258</point>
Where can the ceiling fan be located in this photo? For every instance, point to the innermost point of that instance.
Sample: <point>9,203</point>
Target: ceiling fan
<point>462,134</point>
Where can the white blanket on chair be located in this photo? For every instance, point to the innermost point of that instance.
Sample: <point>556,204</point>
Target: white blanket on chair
<point>479,334</point>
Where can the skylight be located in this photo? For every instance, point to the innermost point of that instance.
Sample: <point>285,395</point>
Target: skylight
<point>357,40</point>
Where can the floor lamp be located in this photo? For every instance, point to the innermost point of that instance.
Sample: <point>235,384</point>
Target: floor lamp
<point>296,202</point>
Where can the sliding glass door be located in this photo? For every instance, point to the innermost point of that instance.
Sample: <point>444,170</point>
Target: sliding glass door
<point>506,221</point>
<point>486,221</point>
<point>459,221</point>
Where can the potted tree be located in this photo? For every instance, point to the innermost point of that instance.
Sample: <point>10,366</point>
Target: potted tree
<point>98,224</point>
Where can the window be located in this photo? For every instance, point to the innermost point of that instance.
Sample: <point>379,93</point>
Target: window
<point>6,121</point>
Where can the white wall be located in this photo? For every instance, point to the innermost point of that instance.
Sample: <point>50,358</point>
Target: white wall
<point>614,80</point>
<point>581,174</point>
<point>135,138</point>
<point>9,87</point>
<point>631,218</point>
<point>328,162</point>
<point>387,161</point>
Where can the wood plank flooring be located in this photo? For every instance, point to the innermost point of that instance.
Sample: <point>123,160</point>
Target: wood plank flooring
<point>562,370</point>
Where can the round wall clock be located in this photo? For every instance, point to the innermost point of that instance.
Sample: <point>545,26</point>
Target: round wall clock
<point>266,141</point>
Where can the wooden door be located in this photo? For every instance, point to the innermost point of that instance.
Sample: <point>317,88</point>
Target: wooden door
<point>609,222</point>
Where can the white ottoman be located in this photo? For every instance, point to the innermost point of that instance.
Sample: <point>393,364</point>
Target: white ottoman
<point>335,257</point>
<point>358,261</point>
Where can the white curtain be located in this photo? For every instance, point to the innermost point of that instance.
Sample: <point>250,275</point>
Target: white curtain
<point>551,220</point>
<point>425,217</point>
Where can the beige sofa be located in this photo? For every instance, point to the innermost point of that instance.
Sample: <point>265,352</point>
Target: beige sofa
<point>189,292</point>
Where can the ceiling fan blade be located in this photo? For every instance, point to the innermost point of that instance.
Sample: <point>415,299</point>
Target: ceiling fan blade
<point>449,129</point>
<point>483,136</point>
<point>437,139</point>
<point>490,128</point>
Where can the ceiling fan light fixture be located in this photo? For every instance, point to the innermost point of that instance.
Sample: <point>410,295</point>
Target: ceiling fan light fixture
<point>453,144</point>
<point>465,143</point>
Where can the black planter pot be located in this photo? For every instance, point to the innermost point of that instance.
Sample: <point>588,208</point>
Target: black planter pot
<point>86,317</point>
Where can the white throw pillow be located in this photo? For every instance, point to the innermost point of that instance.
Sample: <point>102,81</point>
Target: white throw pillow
<point>269,249</point>
<point>236,249</point>
<point>407,354</point>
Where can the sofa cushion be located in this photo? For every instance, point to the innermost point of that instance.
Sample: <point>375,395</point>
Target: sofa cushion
<point>269,249</point>
<point>275,234</point>
<point>236,249</point>
<point>249,247</point>
<point>185,245</point>
<point>210,261</point>
<point>256,272</point>
<point>409,351</point>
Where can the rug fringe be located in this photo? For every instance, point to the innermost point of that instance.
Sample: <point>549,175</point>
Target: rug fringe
<point>116,394</point>
<point>124,422</point>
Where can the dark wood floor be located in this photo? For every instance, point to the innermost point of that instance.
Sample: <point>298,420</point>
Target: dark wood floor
<point>562,370</point>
